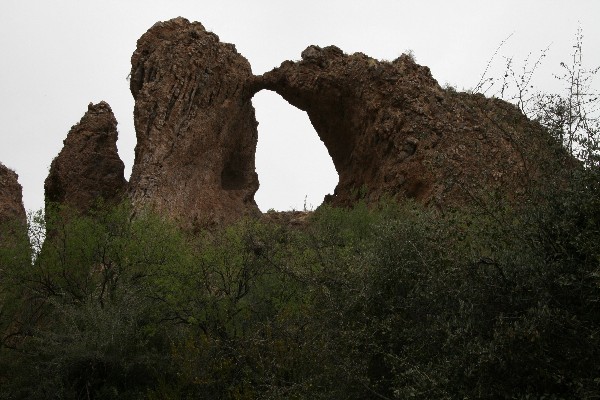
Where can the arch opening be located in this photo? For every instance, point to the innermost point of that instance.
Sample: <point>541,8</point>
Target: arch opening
<point>293,165</point>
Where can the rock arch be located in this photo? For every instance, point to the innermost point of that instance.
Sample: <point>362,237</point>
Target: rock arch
<point>393,131</point>
<point>390,129</point>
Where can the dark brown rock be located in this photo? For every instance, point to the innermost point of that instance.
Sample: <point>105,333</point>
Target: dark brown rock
<point>11,198</point>
<point>392,130</point>
<point>195,126</point>
<point>88,168</point>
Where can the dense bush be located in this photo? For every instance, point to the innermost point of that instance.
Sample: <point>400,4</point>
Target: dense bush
<point>390,301</point>
<point>393,301</point>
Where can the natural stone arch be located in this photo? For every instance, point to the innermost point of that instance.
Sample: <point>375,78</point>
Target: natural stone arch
<point>389,128</point>
<point>294,167</point>
<point>392,131</point>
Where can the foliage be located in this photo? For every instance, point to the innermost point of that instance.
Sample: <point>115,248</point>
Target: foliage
<point>393,301</point>
<point>572,116</point>
<point>386,301</point>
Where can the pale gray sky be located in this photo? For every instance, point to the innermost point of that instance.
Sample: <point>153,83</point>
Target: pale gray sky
<point>59,55</point>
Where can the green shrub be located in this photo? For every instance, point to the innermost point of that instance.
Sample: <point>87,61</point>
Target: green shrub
<point>388,301</point>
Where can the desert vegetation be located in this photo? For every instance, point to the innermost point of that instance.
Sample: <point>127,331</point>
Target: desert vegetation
<point>388,301</point>
<point>393,301</point>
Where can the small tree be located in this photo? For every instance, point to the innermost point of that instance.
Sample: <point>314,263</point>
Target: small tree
<point>573,116</point>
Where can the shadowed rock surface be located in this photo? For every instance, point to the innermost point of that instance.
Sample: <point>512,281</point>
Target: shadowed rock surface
<point>88,168</point>
<point>11,197</point>
<point>392,130</point>
<point>195,126</point>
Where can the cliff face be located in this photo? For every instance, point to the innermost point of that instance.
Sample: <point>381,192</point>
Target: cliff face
<point>11,198</point>
<point>392,130</point>
<point>195,126</point>
<point>88,167</point>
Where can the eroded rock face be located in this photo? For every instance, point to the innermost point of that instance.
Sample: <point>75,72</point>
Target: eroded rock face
<point>389,127</point>
<point>195,126</point>
<point>392,130</point>
<point>11,198</point>
<point>88,168</point>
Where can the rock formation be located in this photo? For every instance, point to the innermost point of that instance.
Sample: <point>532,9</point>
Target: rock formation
<point>195,126</point>
<point>392,130</point>
<point>11,198</point>
<point>88,168</point>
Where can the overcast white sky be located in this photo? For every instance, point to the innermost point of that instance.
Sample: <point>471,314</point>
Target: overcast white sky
<point>59,55</point>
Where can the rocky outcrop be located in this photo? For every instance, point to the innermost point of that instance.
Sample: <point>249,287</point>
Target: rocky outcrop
<point>11,198</point>
<point>195,126</point>
<point>88,169</point>
<point>392,130</point>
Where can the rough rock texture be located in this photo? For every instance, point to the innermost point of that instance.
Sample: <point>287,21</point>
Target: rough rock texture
<point>195,126</point>
<point>11,197</point>
<point>88,168</point>
<point>391,129</point>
